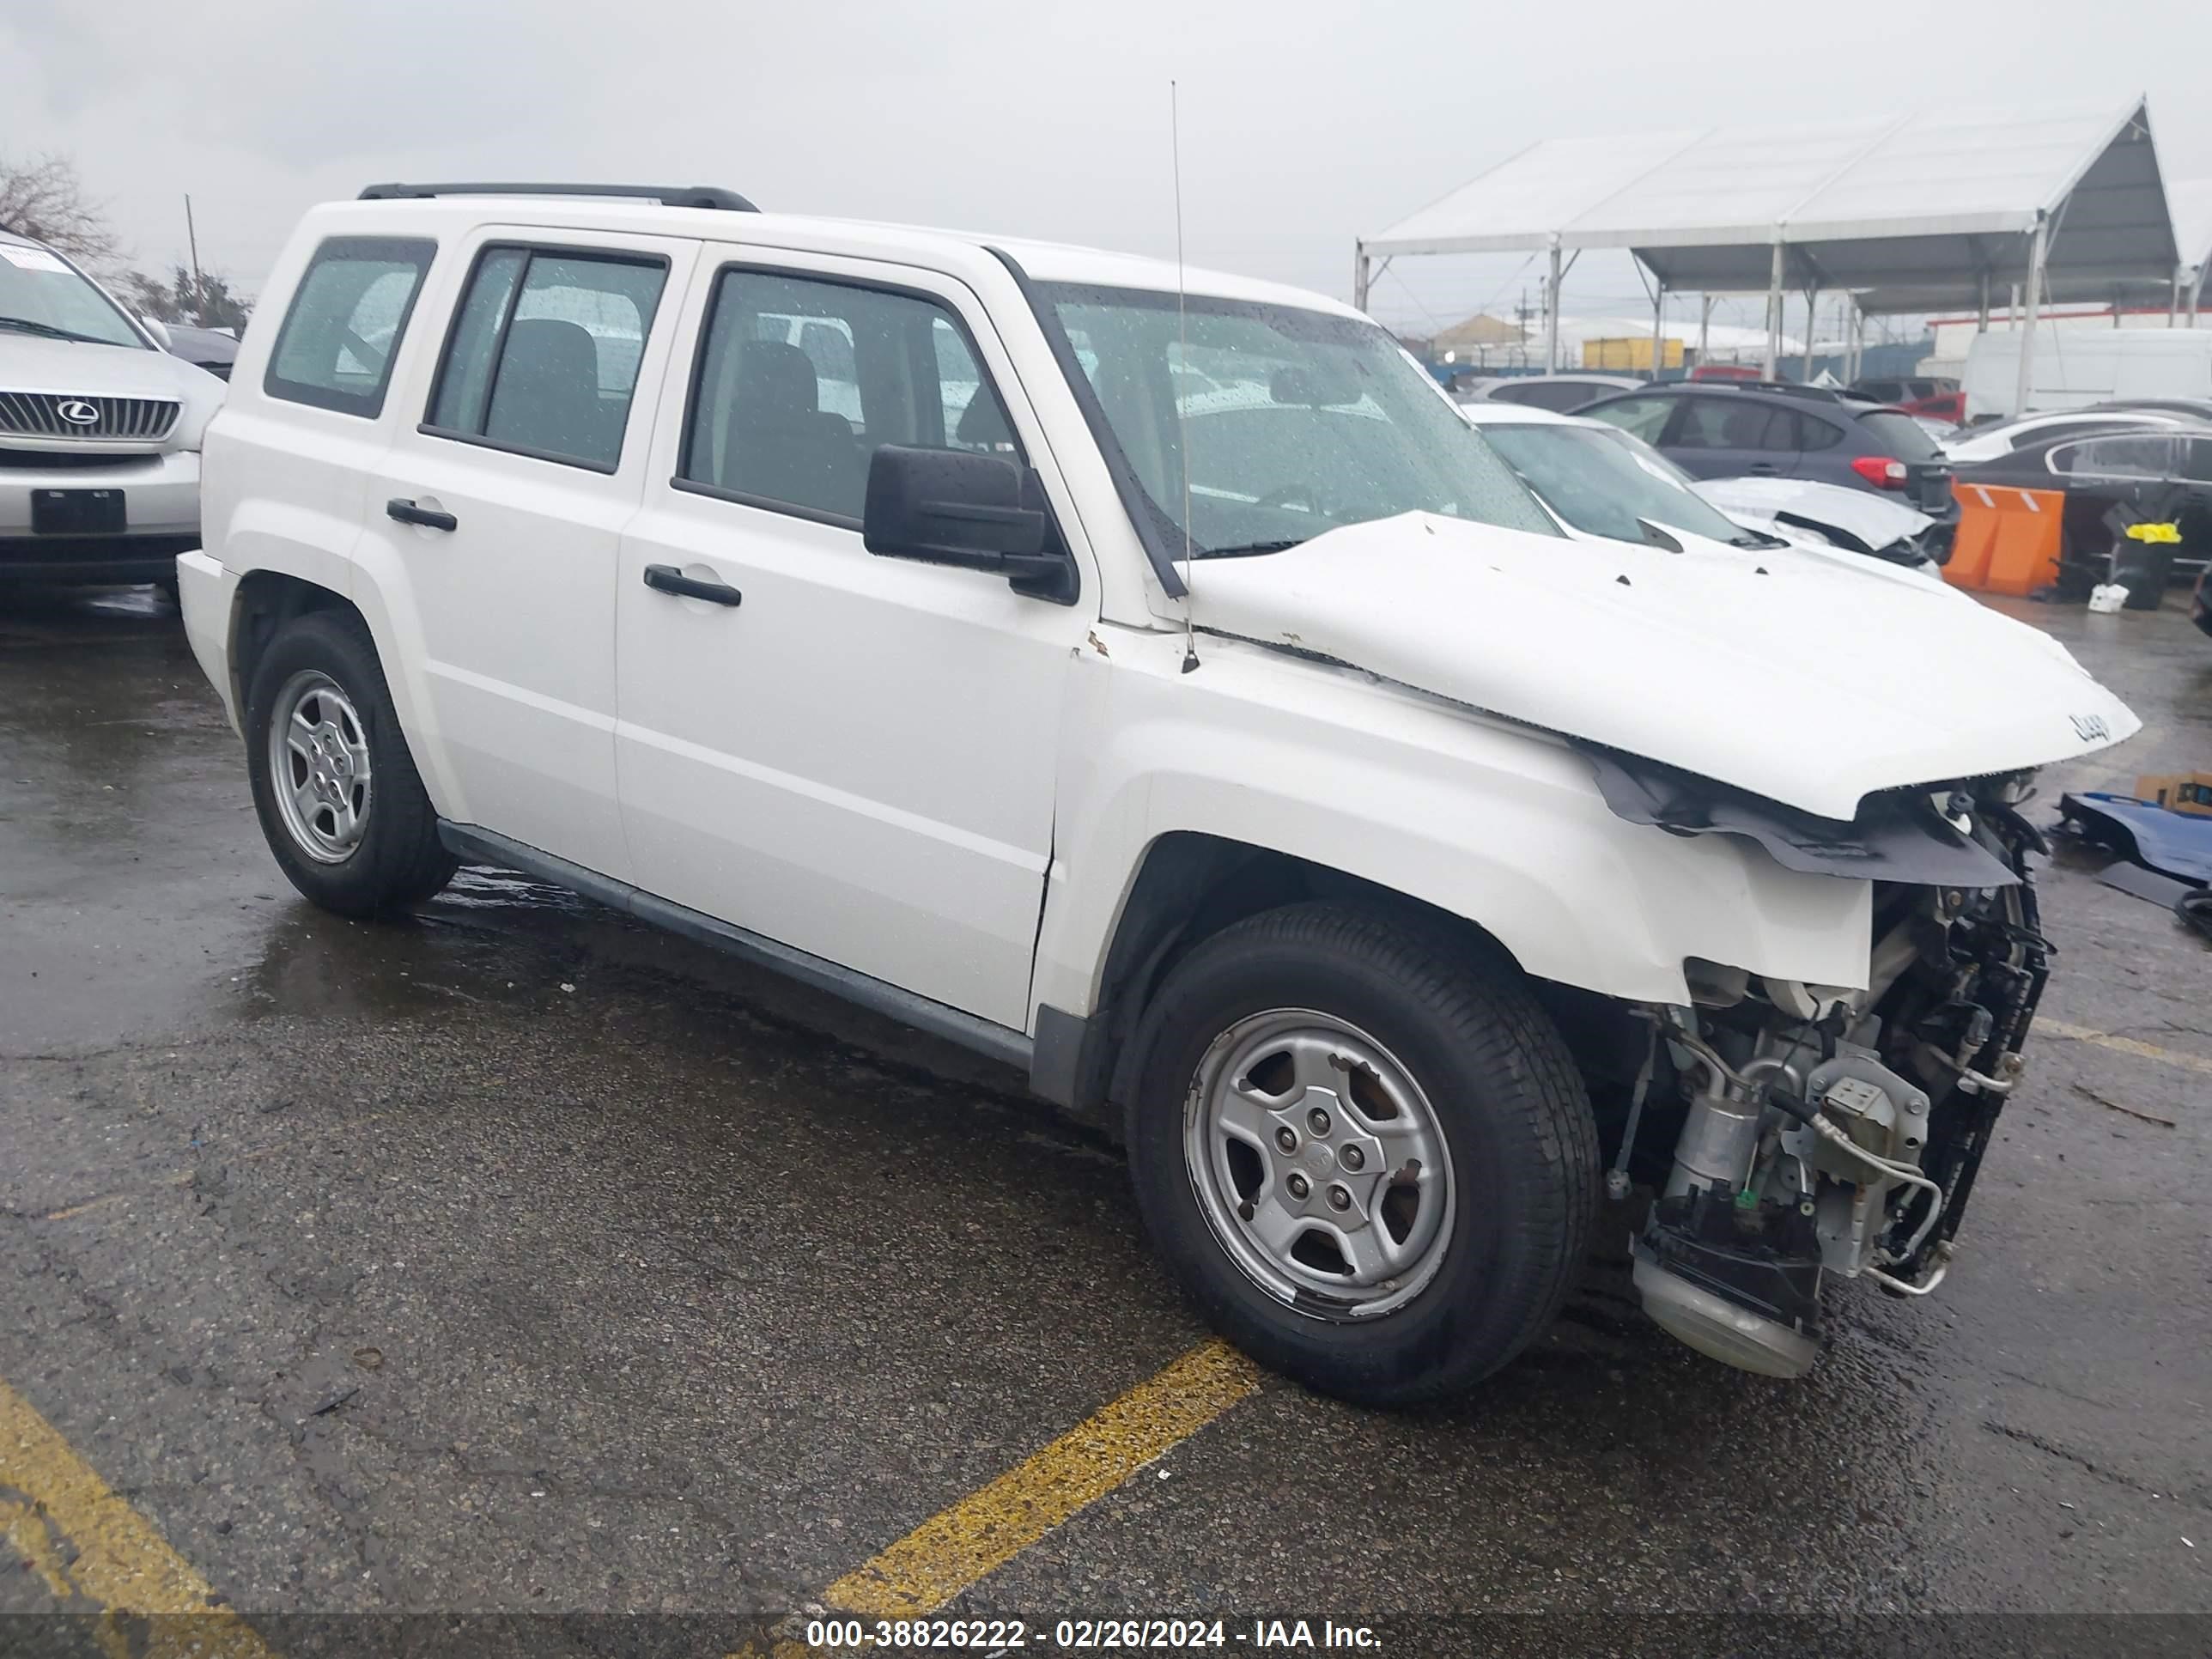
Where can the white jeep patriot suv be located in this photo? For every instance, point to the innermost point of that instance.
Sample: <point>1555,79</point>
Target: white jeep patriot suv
<point>1148,679</point>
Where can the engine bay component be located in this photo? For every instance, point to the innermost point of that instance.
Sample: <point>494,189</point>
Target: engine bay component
<point>1827,1131</point>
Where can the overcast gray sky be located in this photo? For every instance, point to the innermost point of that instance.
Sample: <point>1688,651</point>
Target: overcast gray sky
<point>1304,123</point>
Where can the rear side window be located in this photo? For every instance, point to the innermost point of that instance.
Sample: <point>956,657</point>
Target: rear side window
<point>1814,432</point>
<point>2134,456</point>
<point>1900,435</point>
<point>544,353</point>
<point>345,323</point>
<point>1735,423</point>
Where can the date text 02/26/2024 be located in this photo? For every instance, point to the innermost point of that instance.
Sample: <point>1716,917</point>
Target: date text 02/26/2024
<point>988,1636</point>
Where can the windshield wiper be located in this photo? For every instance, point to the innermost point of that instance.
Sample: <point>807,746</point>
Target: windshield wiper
<point>1756,539</point>
<point>1246,549</point>
<point>50,332</point>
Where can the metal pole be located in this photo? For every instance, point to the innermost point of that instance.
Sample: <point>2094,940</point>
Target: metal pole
<point>192,241</point>
<point>2012,311</point>
<point>1360,275</point>
<point>1812,328</point>
<point>1983,327</point>
<point>2038,248</point>
<point>1774,317</point>
<point>1705,326</point>
<point>2196,292</point>
<point>1658,330</point>
<point>1551,314</point>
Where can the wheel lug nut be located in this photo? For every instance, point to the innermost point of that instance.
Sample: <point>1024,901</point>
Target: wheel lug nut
<point>1317,1120</point>
<point>1338,1198</point>
<point>1287,1139</point>
<point>1297,1183</point>
<point>1351,1157</point>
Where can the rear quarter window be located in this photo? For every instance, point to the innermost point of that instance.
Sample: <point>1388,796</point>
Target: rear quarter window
<point>342,330</point>
<point>1900,435</point>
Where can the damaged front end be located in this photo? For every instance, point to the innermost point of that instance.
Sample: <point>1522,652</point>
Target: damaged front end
<point>1828,1130</point>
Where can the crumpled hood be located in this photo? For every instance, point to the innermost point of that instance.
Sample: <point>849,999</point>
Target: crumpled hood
<point>1858,513</point>
<point>71,368</point>
<point>1794,677</point>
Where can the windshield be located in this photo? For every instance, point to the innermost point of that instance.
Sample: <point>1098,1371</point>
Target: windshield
<point>41,293</point>
<point>1298,422</point>
<point>1608,482</point>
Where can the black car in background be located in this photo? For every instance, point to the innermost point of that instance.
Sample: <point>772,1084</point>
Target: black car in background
<point>212,350</point>
<point>2122,474</point>
<point>1766,429</point>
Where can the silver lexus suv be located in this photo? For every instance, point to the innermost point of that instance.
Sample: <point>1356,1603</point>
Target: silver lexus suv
<point>100,431</point>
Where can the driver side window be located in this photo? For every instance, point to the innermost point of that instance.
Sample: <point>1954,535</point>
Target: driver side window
<point>1645,416</point>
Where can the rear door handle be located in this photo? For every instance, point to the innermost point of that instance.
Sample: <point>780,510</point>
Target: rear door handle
<point>1761,468</point>
<point>407,512</point>
<point>667,579</point>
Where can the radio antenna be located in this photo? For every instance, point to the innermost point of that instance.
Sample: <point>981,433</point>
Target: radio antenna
<point>1182,353</point>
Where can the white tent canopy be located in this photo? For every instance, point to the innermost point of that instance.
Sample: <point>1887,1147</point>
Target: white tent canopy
<point>1908,213</point>
<point>2191,201</point>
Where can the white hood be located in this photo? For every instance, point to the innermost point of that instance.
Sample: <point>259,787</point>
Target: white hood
<point>1858,513</point>
<point>1794,677</point>
<point>72,368</point>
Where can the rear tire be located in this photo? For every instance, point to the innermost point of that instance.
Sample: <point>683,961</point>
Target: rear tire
<point>1364,1033</point>
<point>340,799</point>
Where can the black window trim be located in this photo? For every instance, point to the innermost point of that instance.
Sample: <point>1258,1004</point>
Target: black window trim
<point>698,374</point>
<point>616,255</point>
<point>325,398</point>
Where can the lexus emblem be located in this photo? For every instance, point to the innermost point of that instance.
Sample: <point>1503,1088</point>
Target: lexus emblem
<point>77,412</point>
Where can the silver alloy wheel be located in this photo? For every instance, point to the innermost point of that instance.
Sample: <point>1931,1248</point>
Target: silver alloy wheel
<point>1319,1162</point>
<point>318,767</point>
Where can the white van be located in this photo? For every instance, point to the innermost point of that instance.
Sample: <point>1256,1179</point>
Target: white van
<point>2076,367</point>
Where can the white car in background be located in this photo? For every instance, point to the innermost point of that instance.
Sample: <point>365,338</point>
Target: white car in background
<point>1600,480</point>
<point>100,431</point>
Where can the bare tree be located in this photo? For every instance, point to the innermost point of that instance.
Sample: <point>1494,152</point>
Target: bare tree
<point>42,198</point>
<point>207,300</point>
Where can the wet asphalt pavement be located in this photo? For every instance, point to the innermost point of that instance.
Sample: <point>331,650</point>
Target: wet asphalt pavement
<point>520,1258</point>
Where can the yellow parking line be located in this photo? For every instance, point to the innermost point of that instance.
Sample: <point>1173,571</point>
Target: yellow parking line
<point>2125,1045</point>
<point>953,1549</point>
<point>53,1502</point>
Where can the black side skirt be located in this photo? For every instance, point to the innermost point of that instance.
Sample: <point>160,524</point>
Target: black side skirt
<point>954,1025</point>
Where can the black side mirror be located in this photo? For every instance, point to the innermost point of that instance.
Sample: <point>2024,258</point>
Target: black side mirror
<point>979,512</point>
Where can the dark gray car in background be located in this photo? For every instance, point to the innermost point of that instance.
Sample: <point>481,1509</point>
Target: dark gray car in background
<point>1712,429</point>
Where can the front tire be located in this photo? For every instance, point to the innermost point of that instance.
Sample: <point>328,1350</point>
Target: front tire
<point>340,802</point>
<point>1363,1150</point>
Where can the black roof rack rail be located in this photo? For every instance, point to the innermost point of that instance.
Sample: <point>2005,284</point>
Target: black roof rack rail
<point>693,195</point>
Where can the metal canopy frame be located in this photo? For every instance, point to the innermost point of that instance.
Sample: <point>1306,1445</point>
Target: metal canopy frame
<point>1904,214</point>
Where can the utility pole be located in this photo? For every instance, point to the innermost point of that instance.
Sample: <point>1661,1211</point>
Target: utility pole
<point>192,241</point>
